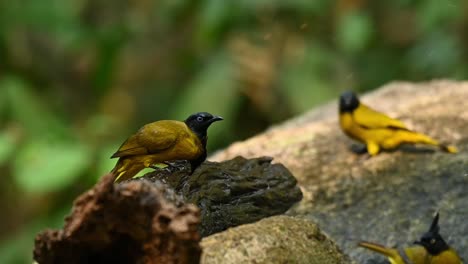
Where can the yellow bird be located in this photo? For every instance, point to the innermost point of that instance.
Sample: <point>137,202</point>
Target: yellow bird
<point>430,249</point>
<point>163,141</point>
<point>376,130</point>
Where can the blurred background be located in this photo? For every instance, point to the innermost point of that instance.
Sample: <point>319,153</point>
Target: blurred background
<point>77,77</point>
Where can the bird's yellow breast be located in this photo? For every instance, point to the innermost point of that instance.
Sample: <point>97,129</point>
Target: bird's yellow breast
<point>447,257</point>
<point>419,255</point>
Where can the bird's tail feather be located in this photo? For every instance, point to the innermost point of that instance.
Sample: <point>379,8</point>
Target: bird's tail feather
<point>391,253</point>
<point>125,170</point>
<point>448,148</point>
<point>418,138</point>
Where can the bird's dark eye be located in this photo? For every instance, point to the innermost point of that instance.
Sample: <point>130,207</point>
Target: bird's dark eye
<point>433,241</point>
<point>199,119</point>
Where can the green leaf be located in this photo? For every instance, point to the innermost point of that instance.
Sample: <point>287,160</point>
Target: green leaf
<point>214,88</point>
<point>55,17</point>
<point>304,82</point>
<point>46,166</point>
<point>7,145</point>
<point>354,32</point>
<point>29,110</point>
<point>104,162</point>
<point>213,16</point>
<point>435,14</point>
<point>3,101</point>
<point>436,55</point>
<point>315,7</point>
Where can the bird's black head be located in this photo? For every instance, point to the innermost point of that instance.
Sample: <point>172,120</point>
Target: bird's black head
<point>432,241</point>
<point>348,102</point>
<point>200,122</point>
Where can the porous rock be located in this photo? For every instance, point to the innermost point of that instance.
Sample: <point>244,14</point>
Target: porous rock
<point>133,222</point>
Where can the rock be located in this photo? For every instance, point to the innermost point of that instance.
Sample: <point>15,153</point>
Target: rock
<point>278,239</point>
<point>389,199</point>
<point>132,222</point>
<point>232,192</point>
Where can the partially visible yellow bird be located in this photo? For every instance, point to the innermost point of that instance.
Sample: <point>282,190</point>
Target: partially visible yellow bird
<point>376,130</point>
<point>163,141</point>
<point>430,249</point>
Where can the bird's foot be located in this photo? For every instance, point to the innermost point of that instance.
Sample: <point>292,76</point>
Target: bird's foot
<point>160,166</point>
<point>359,149</point>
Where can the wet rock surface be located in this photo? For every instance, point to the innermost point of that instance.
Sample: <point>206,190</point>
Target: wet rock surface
<point>133,222</point>
<point>232,192</point>
<point>389,199</point>
<point>395,207</point>
<point>278,239</point>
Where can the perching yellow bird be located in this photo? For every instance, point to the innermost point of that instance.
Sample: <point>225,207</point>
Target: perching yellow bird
<point>430,249</point>
<point>376,130</point>
<point>163,141</point>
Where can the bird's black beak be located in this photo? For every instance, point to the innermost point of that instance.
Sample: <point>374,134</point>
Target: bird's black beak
<point>417,242</point>
<point>216,118</point>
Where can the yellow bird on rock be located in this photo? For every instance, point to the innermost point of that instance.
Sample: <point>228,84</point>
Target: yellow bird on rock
<point>430,249</point>
<point>163,141</point>
<point>376,130</point>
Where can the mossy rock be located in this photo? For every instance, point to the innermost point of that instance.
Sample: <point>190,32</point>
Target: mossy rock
<point>278,239</point>
<point>232,192</point>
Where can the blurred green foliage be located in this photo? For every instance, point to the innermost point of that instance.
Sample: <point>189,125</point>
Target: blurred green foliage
<point>77,77</point>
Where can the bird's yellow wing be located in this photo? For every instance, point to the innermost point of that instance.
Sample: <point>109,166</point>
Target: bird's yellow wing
<point>152,138</point>
<point>369,118</point>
